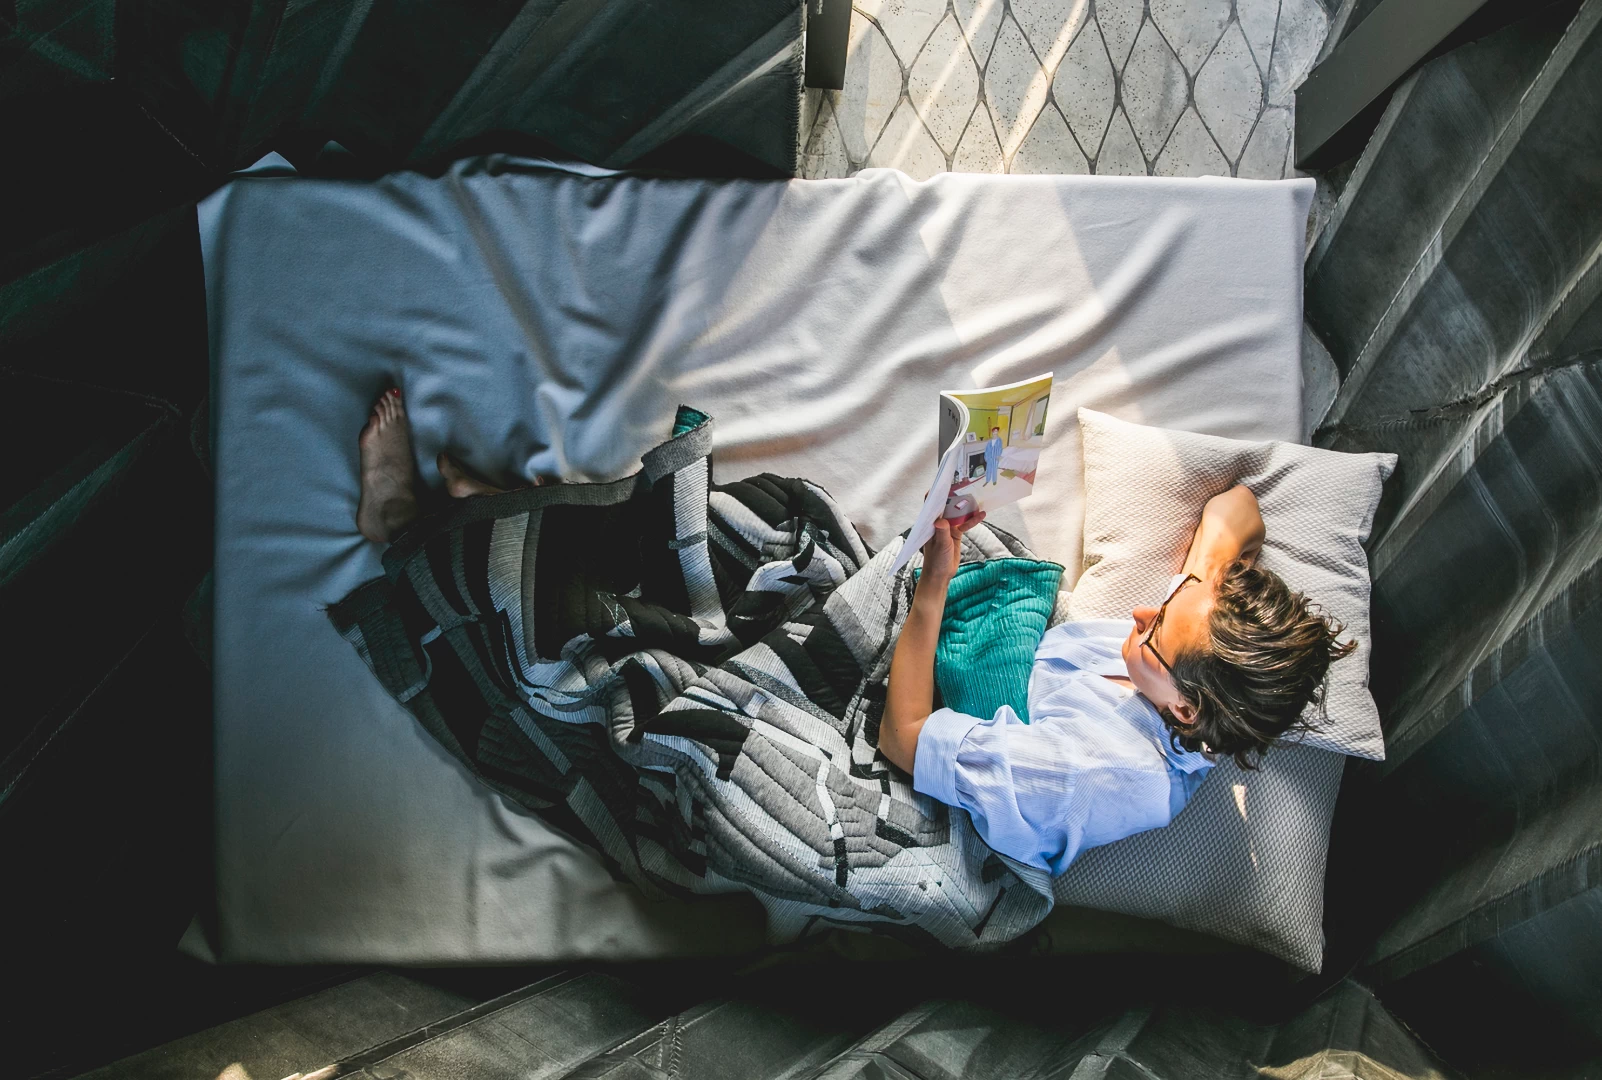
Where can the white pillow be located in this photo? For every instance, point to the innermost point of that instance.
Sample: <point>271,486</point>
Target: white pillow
<point>1144,490</point>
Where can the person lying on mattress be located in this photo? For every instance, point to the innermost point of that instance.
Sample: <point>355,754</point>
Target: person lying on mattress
<point>1124,719</point>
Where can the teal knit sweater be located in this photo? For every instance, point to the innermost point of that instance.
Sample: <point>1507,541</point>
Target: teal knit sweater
<point>996,613</point>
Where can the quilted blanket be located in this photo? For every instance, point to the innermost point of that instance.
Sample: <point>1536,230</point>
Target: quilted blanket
<point>688,677</point>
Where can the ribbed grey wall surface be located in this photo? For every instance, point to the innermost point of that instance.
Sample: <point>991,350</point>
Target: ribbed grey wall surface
<point>1456,286</point>
<point>121,109</point>
<point>805,1021</point>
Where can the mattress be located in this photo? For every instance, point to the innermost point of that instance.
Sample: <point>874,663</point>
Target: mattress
<point>547,319</point>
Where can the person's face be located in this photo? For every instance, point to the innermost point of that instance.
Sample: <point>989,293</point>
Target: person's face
<point>1181,628</point>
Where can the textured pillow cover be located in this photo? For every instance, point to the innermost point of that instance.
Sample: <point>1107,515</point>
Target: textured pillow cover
<point>1245,860</point>
<point>1144,490</point>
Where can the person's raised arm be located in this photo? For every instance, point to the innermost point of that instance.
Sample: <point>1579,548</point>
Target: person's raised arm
<point>1231,528</point>
<point>909,695</point>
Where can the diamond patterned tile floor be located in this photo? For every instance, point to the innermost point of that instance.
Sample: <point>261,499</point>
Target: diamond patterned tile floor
<point>1129,87</point>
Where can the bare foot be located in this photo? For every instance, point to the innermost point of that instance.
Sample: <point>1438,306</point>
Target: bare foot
<point>463,485</point>
<point>458,482</point>
<point>389,497</point>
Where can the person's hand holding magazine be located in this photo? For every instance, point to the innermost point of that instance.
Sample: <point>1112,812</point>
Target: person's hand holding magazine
<point>909,698</point>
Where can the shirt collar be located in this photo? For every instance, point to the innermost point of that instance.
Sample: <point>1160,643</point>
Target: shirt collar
<point>1186,761</point>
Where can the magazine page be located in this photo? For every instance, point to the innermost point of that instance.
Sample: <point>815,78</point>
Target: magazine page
<point>934,504</point>
<point>990,442</point>
<point>953,421</point>
<point>1006,429</point>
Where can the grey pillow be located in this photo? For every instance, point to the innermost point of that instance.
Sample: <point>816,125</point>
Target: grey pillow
<point>1144,490</point>
<point>1245,860</point>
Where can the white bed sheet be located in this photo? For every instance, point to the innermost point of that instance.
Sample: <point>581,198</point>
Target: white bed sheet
<point>542,319</point>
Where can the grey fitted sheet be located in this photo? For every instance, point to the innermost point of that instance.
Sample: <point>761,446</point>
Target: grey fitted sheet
<point>548,319</point>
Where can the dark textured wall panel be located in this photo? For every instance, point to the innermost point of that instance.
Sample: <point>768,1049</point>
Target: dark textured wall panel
<point>1516,529</point>
<point>1479,285</point>
<point>399,66</point>
<point>119,111</point>
<point>1521,1006</point>
<point>1420,164</point>
<point>1459,287</point>
<point>589,77</point>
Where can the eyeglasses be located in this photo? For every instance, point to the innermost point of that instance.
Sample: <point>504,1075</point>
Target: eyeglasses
<point>1151,630</point>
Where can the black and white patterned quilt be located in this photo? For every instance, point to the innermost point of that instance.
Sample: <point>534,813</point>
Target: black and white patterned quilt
<point>688,677</point>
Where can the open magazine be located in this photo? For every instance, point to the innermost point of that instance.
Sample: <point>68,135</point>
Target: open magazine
<point>990,442</point>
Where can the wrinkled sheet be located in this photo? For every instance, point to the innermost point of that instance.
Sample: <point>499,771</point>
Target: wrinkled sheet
<point>549,320</point>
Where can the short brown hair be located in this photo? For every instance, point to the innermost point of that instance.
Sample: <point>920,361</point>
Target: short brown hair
<point>1269,654</point>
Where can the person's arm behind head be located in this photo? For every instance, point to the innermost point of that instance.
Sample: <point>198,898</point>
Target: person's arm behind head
<point>1231,528</point>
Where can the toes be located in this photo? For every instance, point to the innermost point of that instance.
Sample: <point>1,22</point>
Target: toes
<point>386,410</point>
<point>457,483</point>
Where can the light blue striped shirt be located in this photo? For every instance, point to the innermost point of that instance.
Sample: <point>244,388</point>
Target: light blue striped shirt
<point>1093,765</point>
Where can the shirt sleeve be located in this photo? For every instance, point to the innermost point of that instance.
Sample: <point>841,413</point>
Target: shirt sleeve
<point>934,765</point>
<point>1184,785</point>
<point>1039,793</point>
